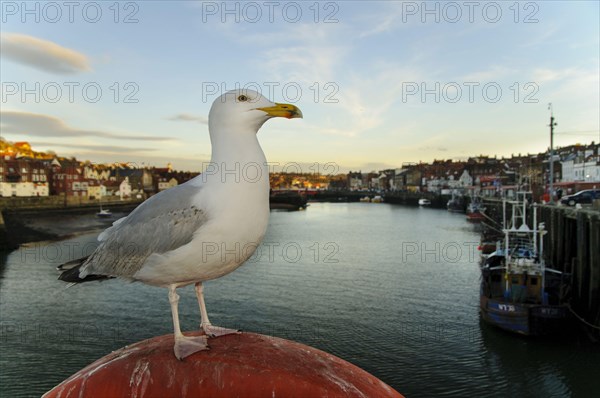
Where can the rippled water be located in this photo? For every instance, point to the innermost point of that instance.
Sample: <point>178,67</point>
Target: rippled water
<point>391,289</point>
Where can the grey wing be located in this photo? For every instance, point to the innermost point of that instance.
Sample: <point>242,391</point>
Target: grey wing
<point>163,223</point>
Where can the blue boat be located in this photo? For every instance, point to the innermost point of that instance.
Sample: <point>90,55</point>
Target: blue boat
<point>519,292</point>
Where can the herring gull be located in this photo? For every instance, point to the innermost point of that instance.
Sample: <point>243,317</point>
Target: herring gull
<point>202,229</point>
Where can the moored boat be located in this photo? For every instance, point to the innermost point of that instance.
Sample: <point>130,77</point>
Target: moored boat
<point>519,292</point>
<point>424,202</point>
<point>456,204</point>
<point>377,199</point>
<point>287,201</point>
<point>104,213</point>
<point>475,211</point>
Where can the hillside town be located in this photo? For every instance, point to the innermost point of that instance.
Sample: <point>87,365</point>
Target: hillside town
<point>25,172</point>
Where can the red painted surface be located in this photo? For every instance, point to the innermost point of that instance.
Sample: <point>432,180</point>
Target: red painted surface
<point>244,365</point>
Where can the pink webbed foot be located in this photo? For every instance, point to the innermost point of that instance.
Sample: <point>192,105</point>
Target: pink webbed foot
<point>186,346</point>
<point>216,331</point>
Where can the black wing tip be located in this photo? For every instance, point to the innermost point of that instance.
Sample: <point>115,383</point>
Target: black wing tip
<point>71,275</point>
<point>71,272</point>
<point>72,264</point>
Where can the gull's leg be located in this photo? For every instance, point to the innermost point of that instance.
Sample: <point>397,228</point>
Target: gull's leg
<point>184,346</point>
<point>210,330</point>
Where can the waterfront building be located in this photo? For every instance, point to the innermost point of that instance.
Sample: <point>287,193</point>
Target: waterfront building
<point>163,183</point>
<point>582,166</point>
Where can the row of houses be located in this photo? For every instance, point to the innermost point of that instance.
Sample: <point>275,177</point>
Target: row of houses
<point>24,172</point>
<point>484,174</point>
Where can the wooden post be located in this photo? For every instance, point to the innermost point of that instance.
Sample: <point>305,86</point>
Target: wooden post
<point>594,265</point>
<point>582,259</point>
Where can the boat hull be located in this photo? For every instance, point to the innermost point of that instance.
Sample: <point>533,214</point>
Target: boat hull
<point>525,319</point>
<point>475,217</point>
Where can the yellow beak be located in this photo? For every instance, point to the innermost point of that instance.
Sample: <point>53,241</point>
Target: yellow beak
<point>282,110</point>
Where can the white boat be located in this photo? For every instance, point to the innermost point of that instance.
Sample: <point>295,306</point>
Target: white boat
<point>104,213</point>
<point>424,202</point>
<point>366,199</point>
<point>377,199</point>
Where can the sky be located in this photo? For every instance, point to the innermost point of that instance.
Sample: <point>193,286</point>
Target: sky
<point>379,83</point>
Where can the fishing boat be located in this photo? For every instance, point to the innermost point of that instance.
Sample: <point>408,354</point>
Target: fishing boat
<point>475,211</point>
<point>456,204</point>
<point>519,291</point>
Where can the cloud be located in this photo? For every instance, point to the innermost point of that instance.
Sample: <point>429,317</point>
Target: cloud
<point>494,73</point>
<point>43,54</point>
<point>384,21</point>
<point>433,149</point>
<point>373,166</point>
<point>186,117</point>
<point>34,124</point>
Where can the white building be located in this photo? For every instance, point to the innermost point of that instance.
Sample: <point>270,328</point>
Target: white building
<point>466,180</point>
<point>125,188</point>
<point>166,184</point>
<point>24,189</point>
<point>90,172</point>
<point>581,168</point>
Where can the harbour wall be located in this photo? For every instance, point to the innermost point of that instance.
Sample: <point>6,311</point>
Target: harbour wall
<point>404,198</point>
<point>14,230</point>
<point>60,202</point>
<point>572,245</point>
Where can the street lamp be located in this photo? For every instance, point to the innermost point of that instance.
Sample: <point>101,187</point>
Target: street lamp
<point>552,124</point>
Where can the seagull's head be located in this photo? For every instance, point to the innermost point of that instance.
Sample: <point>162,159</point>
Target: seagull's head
<point>244,109</point>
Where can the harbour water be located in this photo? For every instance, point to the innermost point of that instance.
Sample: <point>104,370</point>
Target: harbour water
<point>392,289</point>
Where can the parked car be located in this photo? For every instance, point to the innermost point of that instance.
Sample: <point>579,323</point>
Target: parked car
<point>583,197</point>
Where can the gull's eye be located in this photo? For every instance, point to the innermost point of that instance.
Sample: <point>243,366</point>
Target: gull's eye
<point>242,98</point>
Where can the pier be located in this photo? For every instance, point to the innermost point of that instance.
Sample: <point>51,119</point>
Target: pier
<point>573,246</point>
<point>17,215</point>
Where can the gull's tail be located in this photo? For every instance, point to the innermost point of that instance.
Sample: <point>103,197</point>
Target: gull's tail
<point>71,272</point>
